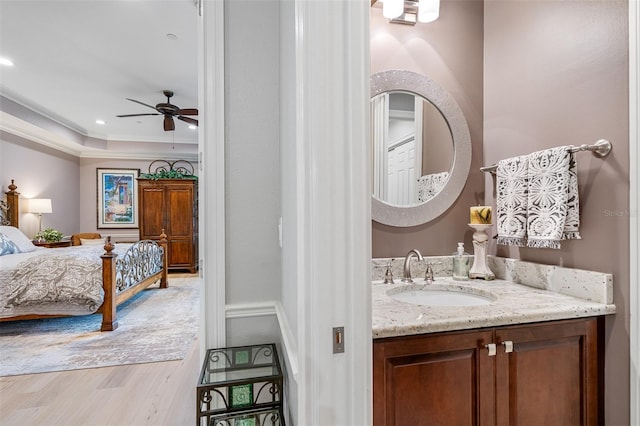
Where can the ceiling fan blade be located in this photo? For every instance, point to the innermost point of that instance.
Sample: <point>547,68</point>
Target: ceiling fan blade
<point>169,124</point>
<point>188,120</point>
<point>187,111</point>
<point>136,115</point>
<point>141,103</point>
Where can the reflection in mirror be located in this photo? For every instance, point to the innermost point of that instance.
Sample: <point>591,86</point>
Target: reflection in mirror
<point>436,167</point>
<point>412,148</point>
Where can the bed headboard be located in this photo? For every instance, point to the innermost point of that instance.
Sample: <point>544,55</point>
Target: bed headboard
<point>9,209</point>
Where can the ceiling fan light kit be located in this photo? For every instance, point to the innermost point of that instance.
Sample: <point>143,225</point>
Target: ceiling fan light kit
<point>168,110</point>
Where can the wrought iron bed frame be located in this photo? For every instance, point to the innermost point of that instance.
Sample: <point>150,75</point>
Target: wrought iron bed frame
<point>143,264</point>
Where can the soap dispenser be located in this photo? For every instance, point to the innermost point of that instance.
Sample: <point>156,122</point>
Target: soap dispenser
<point>461,264</point>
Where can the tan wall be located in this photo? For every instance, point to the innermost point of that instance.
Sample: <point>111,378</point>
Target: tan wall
<point>448,51</point>
<point>553,73</point>
<point>556,73</point>
<point>439,157</point>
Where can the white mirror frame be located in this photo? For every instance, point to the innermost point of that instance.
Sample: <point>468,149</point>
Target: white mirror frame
<point>407,81</point>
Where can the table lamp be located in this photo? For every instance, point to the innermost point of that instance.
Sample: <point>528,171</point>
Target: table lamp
<point>39,206</point>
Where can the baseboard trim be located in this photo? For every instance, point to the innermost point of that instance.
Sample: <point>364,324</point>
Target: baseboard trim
<point>250,310</point>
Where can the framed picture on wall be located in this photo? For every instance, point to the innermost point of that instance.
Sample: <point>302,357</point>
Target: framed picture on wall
<point>117,198</point>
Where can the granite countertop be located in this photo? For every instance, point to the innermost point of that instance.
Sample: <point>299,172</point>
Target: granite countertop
<point>523,293</point>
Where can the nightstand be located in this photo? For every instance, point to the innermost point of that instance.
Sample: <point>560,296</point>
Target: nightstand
<point>56,244</point>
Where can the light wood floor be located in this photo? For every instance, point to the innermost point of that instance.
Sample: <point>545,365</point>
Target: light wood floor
<point>160,393</point>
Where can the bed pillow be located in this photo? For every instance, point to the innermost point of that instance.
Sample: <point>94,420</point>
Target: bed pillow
<point>7,246</point>
<point>91,241</point>
<point>19,239</point>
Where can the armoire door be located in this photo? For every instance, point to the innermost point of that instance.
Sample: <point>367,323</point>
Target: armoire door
<point>151,210</point>
<point>180,225</point>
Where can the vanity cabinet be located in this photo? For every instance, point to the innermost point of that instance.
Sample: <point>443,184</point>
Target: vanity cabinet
<point>171,204</point>
<point>534,374</point>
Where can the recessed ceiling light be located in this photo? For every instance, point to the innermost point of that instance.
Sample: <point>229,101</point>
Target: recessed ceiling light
<point>100,122</point>
<point>172,36</point>
<point>192,127</point>
<point>6,61</point>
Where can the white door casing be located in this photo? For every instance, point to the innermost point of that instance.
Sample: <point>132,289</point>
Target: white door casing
<point>333,188</point>
<point>634,206</point>
<point>211,183</point>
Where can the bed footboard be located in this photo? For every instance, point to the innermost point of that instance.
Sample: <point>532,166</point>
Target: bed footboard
<point>144,263</point>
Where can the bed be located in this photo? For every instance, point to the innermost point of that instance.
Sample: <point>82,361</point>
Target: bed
<point>38,282</point>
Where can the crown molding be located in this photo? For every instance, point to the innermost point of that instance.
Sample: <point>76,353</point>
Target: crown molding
<point>31,132</point>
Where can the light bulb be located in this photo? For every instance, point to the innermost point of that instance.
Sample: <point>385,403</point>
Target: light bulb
<point>428,10</point>
<point>392,8</point>
<point>6,61</point>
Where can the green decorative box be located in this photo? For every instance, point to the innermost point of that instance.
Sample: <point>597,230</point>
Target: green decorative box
<point>239,384</point>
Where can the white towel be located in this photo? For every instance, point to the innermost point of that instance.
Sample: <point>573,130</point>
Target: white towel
<point>511,202</point>
<point>430,185</point>
<point>572,223</point>
<point>552,202</point>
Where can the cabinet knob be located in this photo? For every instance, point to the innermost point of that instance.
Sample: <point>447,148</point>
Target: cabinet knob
<point>491,347</point>
<point>508,346</point>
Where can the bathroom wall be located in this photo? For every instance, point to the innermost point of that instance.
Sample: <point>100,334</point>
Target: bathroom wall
<point>449,51</point>
<point>556,73</point>
<point>553,73</point>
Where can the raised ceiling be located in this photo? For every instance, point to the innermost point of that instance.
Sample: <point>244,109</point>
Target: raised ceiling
<point>77,61</point>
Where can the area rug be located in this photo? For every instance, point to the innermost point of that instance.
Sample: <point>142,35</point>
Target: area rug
<point>155,325</point>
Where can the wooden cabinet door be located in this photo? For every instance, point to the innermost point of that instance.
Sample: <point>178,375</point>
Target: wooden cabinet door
<point>180,225</point>
<point>170,204</point>
<point>436,379</point>
<point>552,375</point>
<point>151,208</point>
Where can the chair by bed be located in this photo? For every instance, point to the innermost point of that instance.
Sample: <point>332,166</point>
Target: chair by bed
<point>122,275</point>
<point>76,239</point>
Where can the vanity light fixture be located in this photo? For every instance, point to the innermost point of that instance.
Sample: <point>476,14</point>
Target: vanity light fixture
<point>392,8</point>
<point>428,10</point>
<point>6,61</point>
<point>410,11</point>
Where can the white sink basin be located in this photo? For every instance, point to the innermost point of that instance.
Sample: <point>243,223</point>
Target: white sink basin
<point>440,297</point>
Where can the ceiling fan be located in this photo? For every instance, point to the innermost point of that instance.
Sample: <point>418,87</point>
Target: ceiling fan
<point>169,111</point>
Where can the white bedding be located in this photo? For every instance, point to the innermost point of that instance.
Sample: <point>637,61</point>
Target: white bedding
<point>59,281</point>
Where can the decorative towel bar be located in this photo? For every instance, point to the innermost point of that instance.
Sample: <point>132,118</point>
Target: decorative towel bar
<point>600,149</point>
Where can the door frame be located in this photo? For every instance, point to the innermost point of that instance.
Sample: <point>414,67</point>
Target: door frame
<point>211,192</point>
<point>634,210</point>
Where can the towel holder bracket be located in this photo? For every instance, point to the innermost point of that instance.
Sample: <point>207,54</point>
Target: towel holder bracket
<point>600,149</point>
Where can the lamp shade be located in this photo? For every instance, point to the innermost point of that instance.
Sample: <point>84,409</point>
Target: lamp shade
<point>392,8</point>
<point>428,10</point>
<point>40,205</point>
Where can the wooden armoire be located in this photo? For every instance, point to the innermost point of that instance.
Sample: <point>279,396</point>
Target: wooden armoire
<point>172,205</point>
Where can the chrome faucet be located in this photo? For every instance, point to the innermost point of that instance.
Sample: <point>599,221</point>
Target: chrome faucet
<point>406,278</point>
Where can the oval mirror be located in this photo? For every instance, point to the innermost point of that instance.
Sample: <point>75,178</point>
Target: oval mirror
<point>421,148</point>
